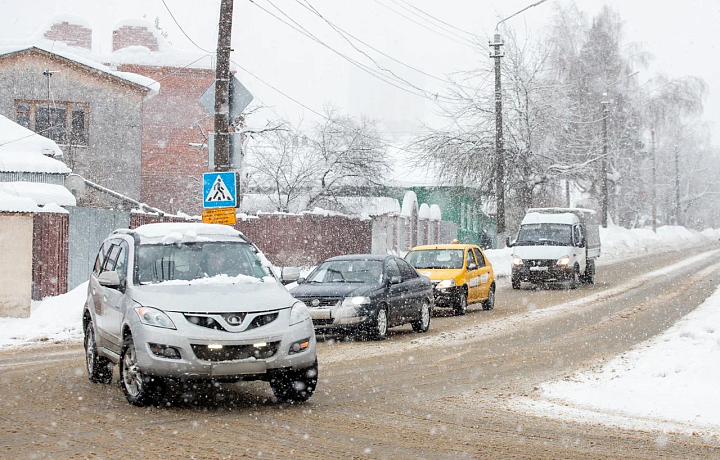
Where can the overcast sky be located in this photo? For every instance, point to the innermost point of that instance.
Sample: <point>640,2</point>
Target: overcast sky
<point>682,35</point>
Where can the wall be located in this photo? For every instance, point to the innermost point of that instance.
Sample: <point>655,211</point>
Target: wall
<point>49,255</point>
<point>172,168</point>
<point>16,245</point>
<point>112,157</point>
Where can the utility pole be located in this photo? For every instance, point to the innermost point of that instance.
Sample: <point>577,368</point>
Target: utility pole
<point>603,179</point>
<point>677,185</point>
<point>654,181</point>
<point>222,86</point>
<point>499,147</point>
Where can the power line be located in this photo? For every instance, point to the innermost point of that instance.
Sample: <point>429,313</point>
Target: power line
<point>299,28</point>
<point>183,30</point>
<point>343,33</point>
<point>438,19</point>
<point>464,42</point>
<point>453,33</point>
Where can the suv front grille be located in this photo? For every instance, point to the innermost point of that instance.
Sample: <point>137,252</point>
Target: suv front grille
<point>213,321</point>
<point>235,352</point>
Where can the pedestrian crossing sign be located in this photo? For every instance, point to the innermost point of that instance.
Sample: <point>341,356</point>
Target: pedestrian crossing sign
<point>219,190</point>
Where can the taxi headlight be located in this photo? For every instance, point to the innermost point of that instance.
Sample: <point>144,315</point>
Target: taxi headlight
<point>299,313</point>
<point>444,284</point>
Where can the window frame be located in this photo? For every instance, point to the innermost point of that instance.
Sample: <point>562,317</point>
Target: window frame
<point>411,272</point>
<point>479,258</point>
<point>31,113</point>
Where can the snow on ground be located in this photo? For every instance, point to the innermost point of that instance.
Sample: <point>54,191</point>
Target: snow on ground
<point>619,243</point>
<point>669,378</point>
<point>55,318</point>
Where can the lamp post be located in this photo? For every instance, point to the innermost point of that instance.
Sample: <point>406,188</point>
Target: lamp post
<point>499,142</point>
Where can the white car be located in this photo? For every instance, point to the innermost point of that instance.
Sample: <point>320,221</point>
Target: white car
<point>185,302</point>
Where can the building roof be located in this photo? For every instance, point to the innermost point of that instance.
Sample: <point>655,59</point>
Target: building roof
<point>22,150</point>
<point>39,192</point>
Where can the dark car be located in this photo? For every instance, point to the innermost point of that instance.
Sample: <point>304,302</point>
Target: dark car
<point>366,294</point>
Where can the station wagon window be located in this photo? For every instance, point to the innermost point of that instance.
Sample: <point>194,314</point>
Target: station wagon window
<point>392,269</point>
<point>479,257</point>
<point>64,122</point>
<point>406,271</point>
<point>435,258</point>
<point>112,257</point>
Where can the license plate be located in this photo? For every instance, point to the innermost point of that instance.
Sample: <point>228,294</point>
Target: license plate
<point>538,269</point>
<point>320,313</point>
<point>257,367</point>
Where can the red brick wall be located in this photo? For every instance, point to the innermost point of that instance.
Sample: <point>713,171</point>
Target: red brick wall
<point>171,177</point>
<point>72,34</point>
<point>134,36</point>
<point>292,240</point>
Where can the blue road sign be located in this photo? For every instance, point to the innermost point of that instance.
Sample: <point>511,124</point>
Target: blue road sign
<point>219,190</point>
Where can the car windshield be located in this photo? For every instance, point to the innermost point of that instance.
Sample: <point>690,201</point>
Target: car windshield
<point>347,271</point>
<point>435,258</point>
<point>191,261</point>
<point>545,234</point>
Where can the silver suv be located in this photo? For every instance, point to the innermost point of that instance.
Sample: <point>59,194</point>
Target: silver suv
<point>184,302</point>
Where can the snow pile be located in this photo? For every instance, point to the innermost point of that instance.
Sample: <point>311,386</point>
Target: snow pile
<point>21,150</point>
<point>216,281</point>
<point>55,318</point>
<point>184,232</point>
<point>668,378</point>
<point>14,203</point>
<point>41,193</point>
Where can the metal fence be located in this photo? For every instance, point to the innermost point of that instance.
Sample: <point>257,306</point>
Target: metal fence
<point>88,228</point>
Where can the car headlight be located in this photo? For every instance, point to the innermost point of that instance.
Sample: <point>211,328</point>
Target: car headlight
<point>154,317</point>
<point>517,261</point>
<point>299,313</point>
<point>355,301</point>
<point>563,261</point>
<point>444,284</point>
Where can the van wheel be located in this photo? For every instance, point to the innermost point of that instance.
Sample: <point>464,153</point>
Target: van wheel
<point>589,277</point>
<point>575,281</point>
<point>99,368</point>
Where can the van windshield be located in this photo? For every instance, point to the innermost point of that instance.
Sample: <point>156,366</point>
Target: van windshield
<point>190,261</point>
<point>545,234</point>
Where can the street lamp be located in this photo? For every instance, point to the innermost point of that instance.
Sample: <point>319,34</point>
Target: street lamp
<point>499,147</point>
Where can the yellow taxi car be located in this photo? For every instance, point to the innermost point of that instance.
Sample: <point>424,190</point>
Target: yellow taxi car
<point>460,273</point>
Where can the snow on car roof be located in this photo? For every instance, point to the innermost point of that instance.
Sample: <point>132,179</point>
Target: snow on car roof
<point>170,233</point>
<point>560,218</point>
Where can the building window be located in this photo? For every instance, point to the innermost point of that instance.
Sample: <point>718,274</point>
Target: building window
<point>64,122</point>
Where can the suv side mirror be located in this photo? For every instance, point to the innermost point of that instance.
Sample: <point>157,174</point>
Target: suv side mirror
<point>472,266</point>
<point>109,279</point>
<point>289,275</point>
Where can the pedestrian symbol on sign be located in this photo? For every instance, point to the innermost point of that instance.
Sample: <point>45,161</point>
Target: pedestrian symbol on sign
<point>219,192</point>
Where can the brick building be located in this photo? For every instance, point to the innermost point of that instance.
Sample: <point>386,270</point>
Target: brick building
<point>163,160</point>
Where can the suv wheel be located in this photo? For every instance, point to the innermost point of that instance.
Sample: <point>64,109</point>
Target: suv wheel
<point>291,385</point>
<point>422,324</point>
<point>489,303</point>
<point>139,389</point>
<point>99,368</point>
<point>462,302</point>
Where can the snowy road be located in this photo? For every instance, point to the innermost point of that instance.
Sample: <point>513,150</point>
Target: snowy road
<point>442,395</point>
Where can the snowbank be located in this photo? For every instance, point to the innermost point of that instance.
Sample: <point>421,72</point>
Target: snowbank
<point>41,193</point>
<point>668,378</point>
<point>55,318</point>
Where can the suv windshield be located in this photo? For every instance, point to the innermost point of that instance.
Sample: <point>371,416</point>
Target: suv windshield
<point>435,258</point>
<point>191,261</point>
<point>347,271</point>
<point>545,234</point>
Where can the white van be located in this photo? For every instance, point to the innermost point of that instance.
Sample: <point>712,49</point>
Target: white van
<point>556,245</point>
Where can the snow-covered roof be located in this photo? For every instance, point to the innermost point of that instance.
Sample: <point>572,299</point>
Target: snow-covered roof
<point>14,203</point>
<point>560,218</point>
<point>39,192</point>
<point>169,233</point>
<point>73,54</point>
<point>22,150</point>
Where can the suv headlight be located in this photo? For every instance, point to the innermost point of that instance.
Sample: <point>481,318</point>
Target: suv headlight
<point>517,261</point>
<point>355,301</point>
<point>444,284</point>
<point>154,317</point>
<point>563,261</point>
<point>299,313</point>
